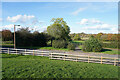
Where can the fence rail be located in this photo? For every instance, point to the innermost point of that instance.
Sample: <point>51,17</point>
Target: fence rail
<point>63,56</point>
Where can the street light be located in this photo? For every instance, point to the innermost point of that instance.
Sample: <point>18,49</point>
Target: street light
<point>14,35</point>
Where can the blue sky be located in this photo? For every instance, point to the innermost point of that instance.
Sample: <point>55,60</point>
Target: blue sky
<point>88,17</point>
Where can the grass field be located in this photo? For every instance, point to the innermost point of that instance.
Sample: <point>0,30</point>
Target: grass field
<point>19,66</point>
<point>106,51</point>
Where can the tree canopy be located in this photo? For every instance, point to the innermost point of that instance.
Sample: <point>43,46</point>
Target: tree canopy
<point>59,29</point>
<point>6,35</point>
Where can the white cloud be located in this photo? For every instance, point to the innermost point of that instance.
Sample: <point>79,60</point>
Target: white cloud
<point>40,29</point>
<point>89,21</point>
<point>106,28</point>
<point>78,11</point>
<point>10,27</point>
<point>20,18</point>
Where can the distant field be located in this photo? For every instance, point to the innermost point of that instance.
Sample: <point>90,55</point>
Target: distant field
<point>18,66</point>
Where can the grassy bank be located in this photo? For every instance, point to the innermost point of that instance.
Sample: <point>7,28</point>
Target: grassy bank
<point>17,66</point>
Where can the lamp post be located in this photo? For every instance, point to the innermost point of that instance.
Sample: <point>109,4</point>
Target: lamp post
<point>14,34</point>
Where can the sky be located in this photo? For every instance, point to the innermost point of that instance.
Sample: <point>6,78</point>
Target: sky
<point>87,17</point>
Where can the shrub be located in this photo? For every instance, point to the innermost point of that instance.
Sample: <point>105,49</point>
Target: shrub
<point>59,44</point>
<point>71,46</point>
<point>92,45</point>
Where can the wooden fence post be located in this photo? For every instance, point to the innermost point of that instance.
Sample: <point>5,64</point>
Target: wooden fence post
<point>64,57</point>
<point>25,51</point>
<point>76,58</point>
<point>16,51</point>
<point>42,54</point>
<point>115,62</point>
<point>88,58</point>
<point>51,55</point>
<point>101,59</point>
<point>8,51</point>
<point>33,52</point>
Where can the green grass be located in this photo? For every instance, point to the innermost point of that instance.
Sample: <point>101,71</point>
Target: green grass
<point>80,47</point>
<point>109,51</point>
<point>18,66</point>
<point>78,41</point>
<point>51,48</point>
<point>47,48</point>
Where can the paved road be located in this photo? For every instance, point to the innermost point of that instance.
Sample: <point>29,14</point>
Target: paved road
<point>80,52</point>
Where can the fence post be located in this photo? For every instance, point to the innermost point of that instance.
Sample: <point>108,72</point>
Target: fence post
<point>76,58</point>
<point>25,51</point>
<point>115,62</point>
<point>101,59</point>
<point>64,57</point>
<point>33,52</point>
<point>16,51</point>
<point>88,58</point>
<point>8,51</point>
<point>42,53</point>
<point>51,55</point>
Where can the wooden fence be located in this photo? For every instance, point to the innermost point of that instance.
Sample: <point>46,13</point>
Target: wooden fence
<point>25,51</point>
<point>63,56</point>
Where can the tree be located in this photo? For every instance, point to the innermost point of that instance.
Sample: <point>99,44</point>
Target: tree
<point>59,29</point>
<point>98,36</point>
<point>92,45</point>
<point>24,38</point>
<point>77,37</point>
<point>6,35</point>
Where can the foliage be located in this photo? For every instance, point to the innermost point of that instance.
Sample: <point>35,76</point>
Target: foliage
<point>56,31</point>
<point>59,44</point>
<point>77,37</point>
<point>98,36</point>
<point>6,35</point>
<point>92,45</point>
<point>42,67</point>
<point>59,29</point>
<point>113,44</point>
<point>71,46</point>
<point>25,38</point>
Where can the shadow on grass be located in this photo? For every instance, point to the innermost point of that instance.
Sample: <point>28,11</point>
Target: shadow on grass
<point>33,47</point>
<point>104,50</point>
<point>8,46</point>
<point>11,55</point>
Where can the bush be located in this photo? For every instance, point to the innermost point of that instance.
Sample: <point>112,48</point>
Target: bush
<point>59,44</point>
<point>92,45</point>
<point>71,46</point>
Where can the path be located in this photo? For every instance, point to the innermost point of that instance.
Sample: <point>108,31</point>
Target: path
<point>80,52</point>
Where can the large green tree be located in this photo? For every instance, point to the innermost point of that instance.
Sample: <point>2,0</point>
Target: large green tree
<point>59,29</point>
